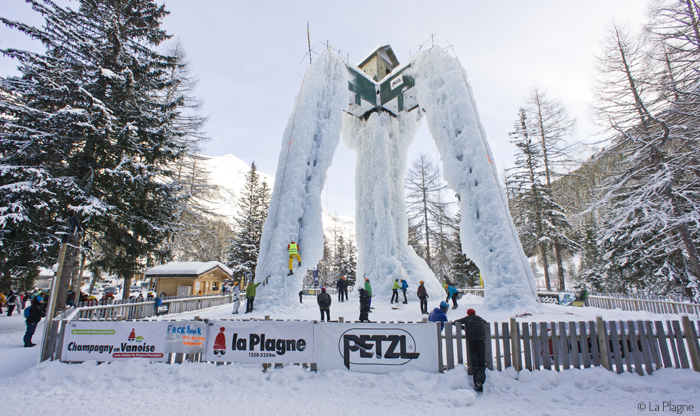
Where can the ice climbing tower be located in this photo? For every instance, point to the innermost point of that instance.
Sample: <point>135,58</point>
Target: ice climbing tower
<point>384,102</point>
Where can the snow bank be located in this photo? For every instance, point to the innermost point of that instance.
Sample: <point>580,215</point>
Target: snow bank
<point>383,254</point>
<point>308,145</point>
<point>488,235</point>
<point>136,387</point>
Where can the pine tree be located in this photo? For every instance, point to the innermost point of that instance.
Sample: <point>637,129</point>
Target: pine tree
<point>92,120</point>
<point>463,271</point>
<point>252,211</point>
<point>550,125</point>
<point>535,213</point>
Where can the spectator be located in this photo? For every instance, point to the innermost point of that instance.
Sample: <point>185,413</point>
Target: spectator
<point>423,297</point>
<point>404,288</point>
<point>395,291</point>
<point>341,286</point>
<point>451,294</point>
<point>324,303</point>
<point>364,305</point>
<point>439,314</point>
<point>12,301</point>
<point>236,292</point>
<point>475,333</point>
<point>33,316</point>
<point>250,296</point>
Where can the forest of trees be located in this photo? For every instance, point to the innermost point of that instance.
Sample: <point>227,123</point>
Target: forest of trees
<point>628,216</point>
<point>104,126</point>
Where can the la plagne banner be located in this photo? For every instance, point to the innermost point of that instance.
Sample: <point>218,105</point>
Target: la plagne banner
<point>111,341</point>
<point>261,342</point>
<point>377,348</point>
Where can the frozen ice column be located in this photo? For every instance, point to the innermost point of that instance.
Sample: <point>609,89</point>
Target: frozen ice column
<point>381,143</point>
<point>488,234</point>
<point>308,145</point>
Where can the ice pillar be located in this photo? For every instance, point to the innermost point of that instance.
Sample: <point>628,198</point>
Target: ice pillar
<point>383,254</point>
<point>488,234</point>
<point>308,144</point>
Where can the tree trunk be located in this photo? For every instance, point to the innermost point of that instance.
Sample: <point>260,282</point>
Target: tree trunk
<point>69,265</point>
<point>560,267</point>
<point>545,264</point>
<point>127,286</point>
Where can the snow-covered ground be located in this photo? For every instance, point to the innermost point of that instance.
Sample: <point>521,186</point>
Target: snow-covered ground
<point>139,387</point>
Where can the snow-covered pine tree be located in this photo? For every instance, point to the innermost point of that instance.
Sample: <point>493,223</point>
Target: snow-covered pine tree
<point>653,197</point>
<point>536,214</point>
<point>325,266</point>
<point>101,129</point>
<point>463,271</point>
<point>550,125</point>
<point>252,209</point>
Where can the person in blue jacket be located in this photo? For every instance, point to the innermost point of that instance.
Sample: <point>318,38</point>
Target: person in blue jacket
<point>451,294</point>
<point>439,314</point>
<point>404,287</point>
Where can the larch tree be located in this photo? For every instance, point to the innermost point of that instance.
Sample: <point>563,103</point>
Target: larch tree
<point>651,225</point>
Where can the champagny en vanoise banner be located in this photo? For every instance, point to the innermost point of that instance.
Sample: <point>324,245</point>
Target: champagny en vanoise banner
<point>118,340</point>
<point>261,342</point>
<point>377,348</point>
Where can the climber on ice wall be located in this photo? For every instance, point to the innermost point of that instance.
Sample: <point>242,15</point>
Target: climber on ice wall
<point>293,249</point>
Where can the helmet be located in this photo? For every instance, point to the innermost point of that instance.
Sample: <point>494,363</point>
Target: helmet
<point>444,305</point>
<point>323,289</point>
<point>366,280</point>
<point>471,312</point>
<point>421,282</point>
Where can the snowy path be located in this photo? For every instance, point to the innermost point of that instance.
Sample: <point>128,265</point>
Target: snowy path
<point>138,387</point>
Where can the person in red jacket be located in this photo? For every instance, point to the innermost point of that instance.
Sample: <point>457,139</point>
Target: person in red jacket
<point>293,249</point>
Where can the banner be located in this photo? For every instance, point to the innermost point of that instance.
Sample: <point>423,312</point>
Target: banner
<point>260,342</point>
<point>111,341</point>
<point>189,337</point>
<point>377,348</point>
<point>566,298</point>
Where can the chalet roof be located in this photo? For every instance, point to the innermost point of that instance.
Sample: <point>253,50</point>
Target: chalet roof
<point>186,269</point>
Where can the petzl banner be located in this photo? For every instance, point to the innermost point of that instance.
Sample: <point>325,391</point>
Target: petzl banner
<point>377,348</point>
<point>261,341</point>
<point>111,341</point>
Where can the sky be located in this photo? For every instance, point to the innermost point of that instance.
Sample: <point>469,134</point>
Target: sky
<point>250,58</point>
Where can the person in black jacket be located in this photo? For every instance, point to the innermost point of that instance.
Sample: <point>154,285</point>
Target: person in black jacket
<point>341,285</point>
<point>423,296</point>
<point>475,333</point>
<point>364,305</point>
<point>36,312</point>
<point>324,303</point>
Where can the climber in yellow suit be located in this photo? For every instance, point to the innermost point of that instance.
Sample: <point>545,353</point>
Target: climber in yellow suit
<point>293,249</point>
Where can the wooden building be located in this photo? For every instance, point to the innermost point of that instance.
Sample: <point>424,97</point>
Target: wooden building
<point>189,278</point>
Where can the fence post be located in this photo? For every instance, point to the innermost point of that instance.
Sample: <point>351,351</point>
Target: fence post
<point>602,342</point>
<point>692,346</point>
<point>515,344</point>
<point>439,346</point>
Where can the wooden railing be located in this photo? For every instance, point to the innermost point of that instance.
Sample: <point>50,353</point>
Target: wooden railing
<point>145,309</point>
<point>633,346</point>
